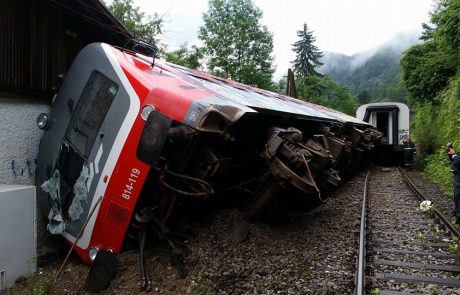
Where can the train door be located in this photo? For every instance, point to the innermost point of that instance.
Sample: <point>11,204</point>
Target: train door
<point>383,122</point>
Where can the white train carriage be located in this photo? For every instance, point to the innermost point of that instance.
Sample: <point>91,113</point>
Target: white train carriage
<point>392,119</point>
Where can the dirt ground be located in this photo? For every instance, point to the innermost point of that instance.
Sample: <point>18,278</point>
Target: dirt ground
<point>289,256</point>
<point>303,253</point>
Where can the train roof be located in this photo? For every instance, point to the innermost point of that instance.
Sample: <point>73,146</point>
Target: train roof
<point>186,86</point>
<point>401,106</point>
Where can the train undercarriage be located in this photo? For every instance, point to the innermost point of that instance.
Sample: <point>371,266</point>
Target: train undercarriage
<point>245,166</point>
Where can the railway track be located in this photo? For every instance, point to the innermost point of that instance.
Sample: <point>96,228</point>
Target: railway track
<point>403,250</point>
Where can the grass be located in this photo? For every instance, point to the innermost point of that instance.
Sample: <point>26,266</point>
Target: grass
<point>202,286</point>
<point>421,237</point>
<point>34,284</point>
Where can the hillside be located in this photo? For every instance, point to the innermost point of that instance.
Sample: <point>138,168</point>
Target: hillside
<point>374,74</point>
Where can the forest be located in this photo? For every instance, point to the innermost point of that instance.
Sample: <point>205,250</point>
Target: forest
<point>426,75</point>
<point>372,75</point>
<point>431,75</point>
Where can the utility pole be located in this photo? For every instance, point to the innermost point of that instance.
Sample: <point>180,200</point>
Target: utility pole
<point>290,85</point>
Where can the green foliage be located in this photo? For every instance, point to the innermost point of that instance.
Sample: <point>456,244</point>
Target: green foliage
<point>322,90</point>
<point>307,54</point>
<point>237,45</point>
<point>447,20</point>
<point>444,125</point>
<point>364,97</point>
<point>441,116</point>
<point>435,290</point>
<point>421,237</point>
<point>426,70</point>
<point>438,231</point>
<point>428,67</point>
<point>280,87</point>
<point>431,74</point>
<point>312,86</point>
<point>378,76</point>
<point>203,287</point>
<point>454,245</point>
<point>425,137</point>
<point>190,58</point>
<point>143,27</point>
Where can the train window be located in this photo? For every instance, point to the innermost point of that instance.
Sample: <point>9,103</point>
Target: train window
<point>94,103</point>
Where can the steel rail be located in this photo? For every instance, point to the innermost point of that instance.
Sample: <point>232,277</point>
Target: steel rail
<point>422,197</point>
<point>360,281</point>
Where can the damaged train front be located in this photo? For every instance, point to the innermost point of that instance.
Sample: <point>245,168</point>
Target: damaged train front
<point>88,177</point>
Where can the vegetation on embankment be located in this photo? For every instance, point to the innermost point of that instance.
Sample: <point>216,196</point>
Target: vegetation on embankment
<point>435,124</point>
<point>431,73</point>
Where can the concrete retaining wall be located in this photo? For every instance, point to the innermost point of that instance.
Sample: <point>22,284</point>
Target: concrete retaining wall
<point>19,140</point>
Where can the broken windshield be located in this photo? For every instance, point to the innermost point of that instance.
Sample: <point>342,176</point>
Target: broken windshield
<point>94,103</point>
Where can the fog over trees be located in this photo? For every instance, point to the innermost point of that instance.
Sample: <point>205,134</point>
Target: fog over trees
<point>374,73</point>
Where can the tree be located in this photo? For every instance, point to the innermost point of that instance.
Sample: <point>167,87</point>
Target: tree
<point>428,67</point>
<point>426,70</point>
<point>322,90</point>
<point>280,87</point>
<point>364,97</point>
<point>447,22</point>
<point>313,86</point>
<point>236,44</point>
<point>307,54</point>
<point>141,26</point>
<point>190,58</point>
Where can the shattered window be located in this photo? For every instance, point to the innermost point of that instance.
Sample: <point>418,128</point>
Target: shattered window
<point>94,103</point>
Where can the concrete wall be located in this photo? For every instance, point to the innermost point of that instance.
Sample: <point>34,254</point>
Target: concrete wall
<point>19,139</point>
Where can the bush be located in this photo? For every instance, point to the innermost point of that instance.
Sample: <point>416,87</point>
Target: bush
<point>435,124</point>
<point>437,168</point>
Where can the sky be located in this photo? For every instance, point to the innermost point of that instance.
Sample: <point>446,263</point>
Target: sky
<point>344,26</point>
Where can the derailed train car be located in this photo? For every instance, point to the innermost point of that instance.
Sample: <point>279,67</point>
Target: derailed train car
<point>130,139</point>
<point>392,119</point>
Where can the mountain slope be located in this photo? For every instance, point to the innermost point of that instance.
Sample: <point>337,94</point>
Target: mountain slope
<point>374,74</point>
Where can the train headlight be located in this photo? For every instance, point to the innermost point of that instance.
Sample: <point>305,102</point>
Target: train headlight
<point>146,110</point>
<point>43,121</point>
<point>92,253</point>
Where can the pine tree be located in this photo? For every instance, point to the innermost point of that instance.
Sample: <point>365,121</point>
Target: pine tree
<point>307,54</point>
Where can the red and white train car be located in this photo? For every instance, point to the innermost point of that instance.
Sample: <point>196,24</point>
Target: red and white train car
<point>132,140</point>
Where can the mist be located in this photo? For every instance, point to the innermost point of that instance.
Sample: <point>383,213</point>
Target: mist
<point>333,61</point>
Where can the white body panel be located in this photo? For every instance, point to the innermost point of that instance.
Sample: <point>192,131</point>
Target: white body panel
<point>403,119</point>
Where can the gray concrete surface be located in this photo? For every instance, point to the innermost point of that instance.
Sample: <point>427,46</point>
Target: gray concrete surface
<point>18,233</point>
<point>19,139</point>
